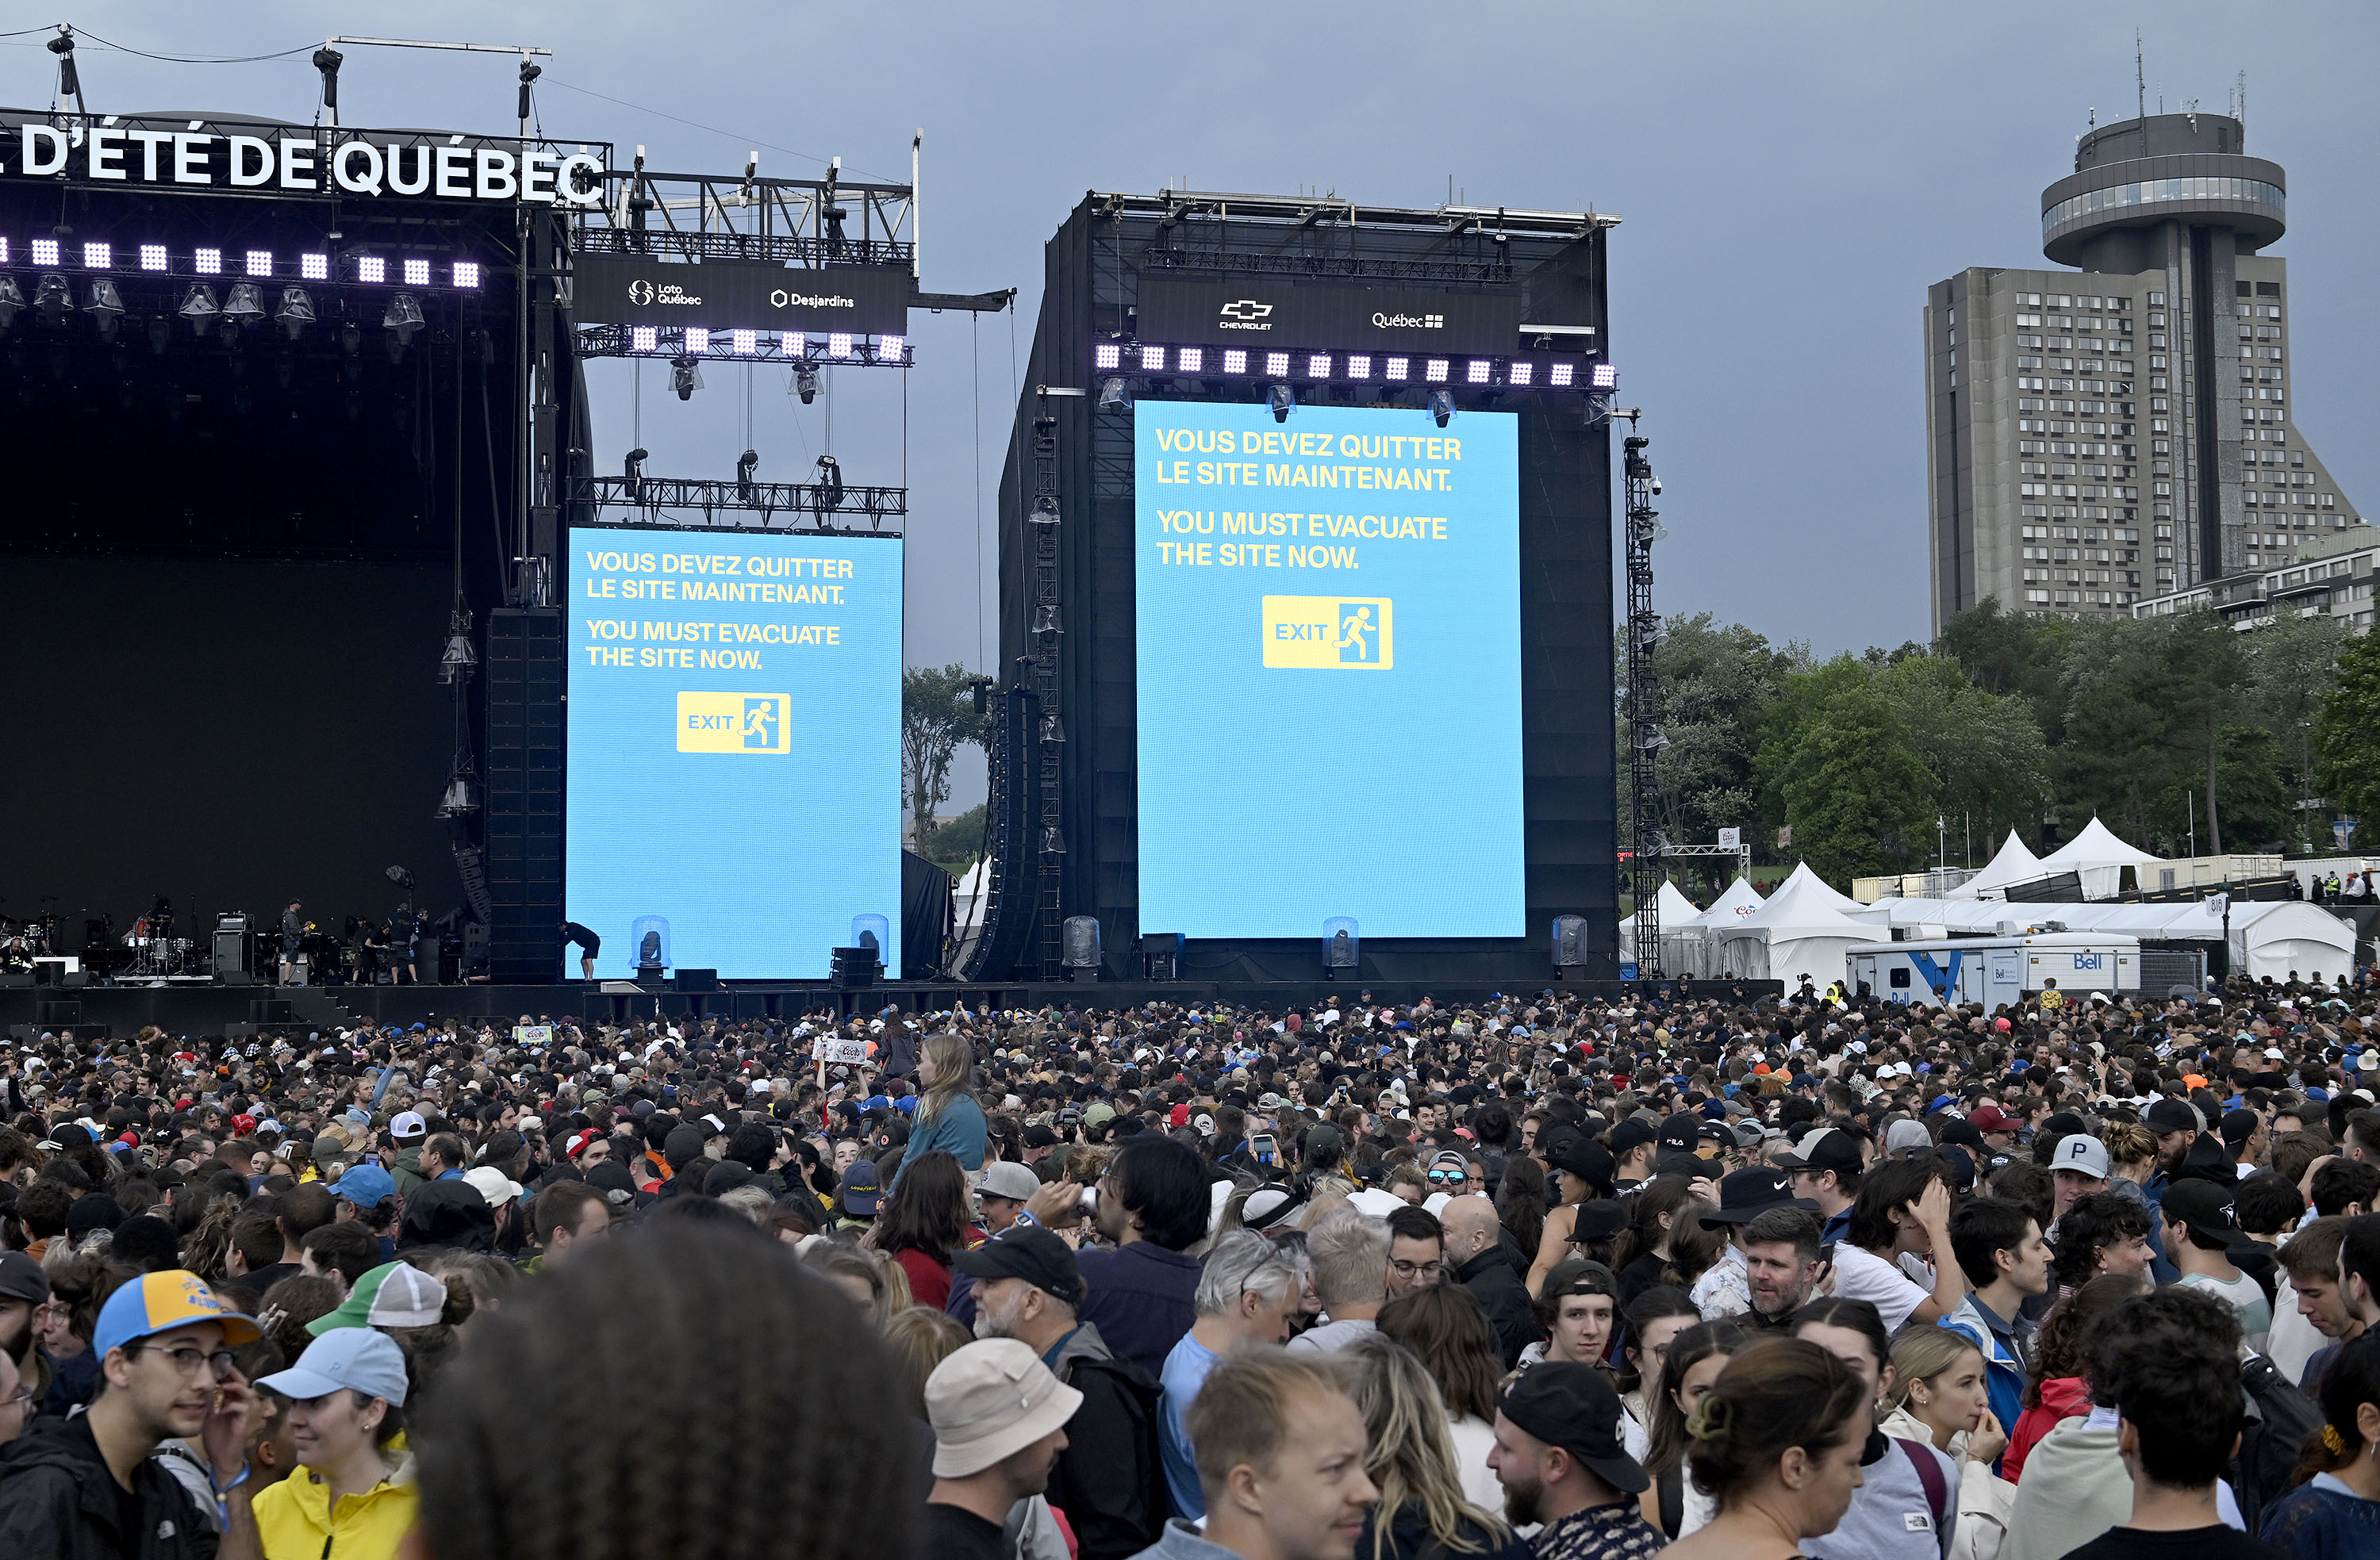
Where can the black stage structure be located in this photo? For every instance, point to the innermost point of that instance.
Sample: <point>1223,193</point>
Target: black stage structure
<point>301,411</point>
<point>1062,820</point>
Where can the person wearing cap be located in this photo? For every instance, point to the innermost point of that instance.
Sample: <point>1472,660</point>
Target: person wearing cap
<point>2244,1140</point>
<point>86,1487</point>
<point>1007,1186</point>
<point>1027,1288</point>
<point>1560,1457</point>
<point>1826,1169</point>
<point>24,1290</point>
<point>1723,1289</point>
<point>395,1294</point>
<point>2078,1166</point>
<point>1998,1128</point>
<point>1634,1146</point>
<point>2201,1229</point>
<point>999,1418</point>
<point>353,1498</point>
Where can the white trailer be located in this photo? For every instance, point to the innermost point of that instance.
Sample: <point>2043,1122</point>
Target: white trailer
<point>1994,970</point>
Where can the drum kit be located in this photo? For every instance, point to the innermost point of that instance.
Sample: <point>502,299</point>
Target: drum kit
<point>149,952</point>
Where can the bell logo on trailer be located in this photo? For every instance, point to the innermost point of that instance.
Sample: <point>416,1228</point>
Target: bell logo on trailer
<point>1329,633</point>
<point>735,723</point>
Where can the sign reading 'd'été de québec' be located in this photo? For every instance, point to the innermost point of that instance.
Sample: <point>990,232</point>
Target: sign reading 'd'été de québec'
<point>192,155</point>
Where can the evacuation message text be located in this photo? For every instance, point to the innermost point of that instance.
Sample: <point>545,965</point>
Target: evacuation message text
<point>734,744</point>
<point>1271,556</point>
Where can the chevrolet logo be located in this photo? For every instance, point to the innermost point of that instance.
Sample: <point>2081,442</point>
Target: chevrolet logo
<point>1244,309</point>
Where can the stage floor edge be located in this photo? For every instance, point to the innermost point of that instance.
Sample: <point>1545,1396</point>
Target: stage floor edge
<point>218,1009</point>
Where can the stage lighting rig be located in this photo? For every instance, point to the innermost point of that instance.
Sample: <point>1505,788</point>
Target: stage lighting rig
<point>1441,408</point>
<point>829,486</point>
<point>633,473</point>
<point>106,307</point>
<point>242,305</point>
<point>52,298</point>
<point>1114,394</point>
<point>296,311</point>
<point>11,300</point>
<point>806,383</point>
<point>1282,399</point>
<point>402,319</point>
<point>199,309</point>
<point>686,378</point>
<point>746,464</point>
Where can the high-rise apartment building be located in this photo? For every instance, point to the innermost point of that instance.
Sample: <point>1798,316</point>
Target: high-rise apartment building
<point>2119,430</point>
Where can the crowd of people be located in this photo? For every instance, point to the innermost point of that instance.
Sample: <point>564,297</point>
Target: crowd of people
<point>1563,1277</point>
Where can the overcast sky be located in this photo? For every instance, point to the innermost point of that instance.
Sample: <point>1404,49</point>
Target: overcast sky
<point>1792,179</point>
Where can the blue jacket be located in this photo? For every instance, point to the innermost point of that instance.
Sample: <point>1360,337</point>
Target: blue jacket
<point>2003,1371</point>
<point>958,1132</point>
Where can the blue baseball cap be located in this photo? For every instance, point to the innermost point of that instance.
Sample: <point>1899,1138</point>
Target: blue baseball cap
<point>361,1360</point>
<point>366,1185</point>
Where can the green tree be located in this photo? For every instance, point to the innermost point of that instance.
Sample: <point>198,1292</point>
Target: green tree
<point>1716,681</point>
<point>1983,752</point>
<point>956,844</point>
<point>1837,762</point>
<point>2347,732</point>
<point>937,719</point>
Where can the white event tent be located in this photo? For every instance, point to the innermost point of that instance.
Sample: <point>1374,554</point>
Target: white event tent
<point>2014,863</point>
<point>1801,930</point>
<point>2099,858</point>
<point>1677,912</point>
<point>2264,937</point>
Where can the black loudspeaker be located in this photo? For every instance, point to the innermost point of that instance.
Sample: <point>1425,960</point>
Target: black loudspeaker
<point>1161,956</point>
<point>697,980</point>
<point>53,1014</point>
<point>1078,942</point>
<point>852,966</point>
<point>235,950</point>
<point>1570,941</point>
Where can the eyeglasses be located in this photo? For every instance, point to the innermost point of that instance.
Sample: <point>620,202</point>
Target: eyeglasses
<point>1418,1269</point>
<point>1448,1176</point>
<point>190,1362</point>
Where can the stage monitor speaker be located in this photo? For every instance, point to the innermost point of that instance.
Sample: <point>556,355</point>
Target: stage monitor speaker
<point>850,967</point>
<point>1343,946</point>
<point>1078,944</point>
<point>1161,956</point>
<point>697,980</point>
<point>1570,941</point>
<point>270,1009</point>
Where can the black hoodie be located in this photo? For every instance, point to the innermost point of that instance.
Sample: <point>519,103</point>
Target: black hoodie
<point>59,1502</point>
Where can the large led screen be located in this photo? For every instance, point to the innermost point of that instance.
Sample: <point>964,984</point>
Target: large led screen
<point>734,747</point>
<point>1329,671</point>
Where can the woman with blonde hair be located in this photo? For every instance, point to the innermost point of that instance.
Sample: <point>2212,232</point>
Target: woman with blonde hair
<point>1938,1394</point>
<point>948,1117</point>
<point>1422,1508</point>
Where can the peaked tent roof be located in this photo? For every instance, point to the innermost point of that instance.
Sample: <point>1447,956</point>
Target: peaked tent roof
<point>1804,881</point>
<point>1677,911</point>
<point>1740,901</point>
<point>2095,846</point>
<point>2014,863</point>
<point>1802,907</point>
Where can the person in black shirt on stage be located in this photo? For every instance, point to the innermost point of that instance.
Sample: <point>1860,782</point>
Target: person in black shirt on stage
<point>292,935</point>
<point>588,945</point>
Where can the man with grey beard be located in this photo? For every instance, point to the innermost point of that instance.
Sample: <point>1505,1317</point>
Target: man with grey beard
<point>1108,1481</point>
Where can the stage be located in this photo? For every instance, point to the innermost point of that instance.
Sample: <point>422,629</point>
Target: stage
<point>219,1009</point>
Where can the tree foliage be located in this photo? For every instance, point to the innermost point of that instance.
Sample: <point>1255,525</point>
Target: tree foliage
<point>937,719</point>
<point>2176,731</point>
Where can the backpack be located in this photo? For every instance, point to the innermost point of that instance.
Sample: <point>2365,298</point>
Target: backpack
<point>1141,1396</point>
<point>2280,1419</point>
<point>1940,1499</point>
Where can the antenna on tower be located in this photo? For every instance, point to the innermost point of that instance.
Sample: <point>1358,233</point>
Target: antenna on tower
<point>2140,88</point>
<point>2239,99</point>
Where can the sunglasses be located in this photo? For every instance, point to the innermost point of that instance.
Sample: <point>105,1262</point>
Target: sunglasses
<point>1443,1175</point>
